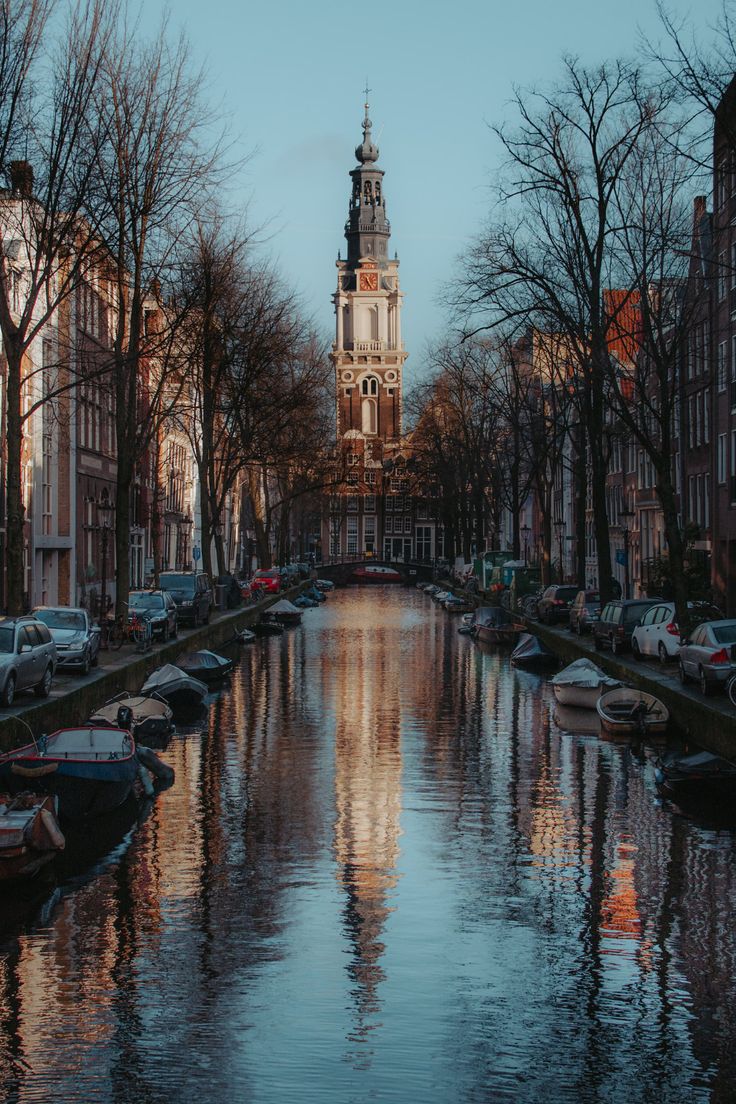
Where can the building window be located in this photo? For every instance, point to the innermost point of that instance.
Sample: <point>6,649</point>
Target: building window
<point>388,525</point>
<point>722,366</point>
<point>369,386</point>
<point>407,524</point>
<point>352,531</point>
<point>369,414</point>
<point>706,416</point>
<point>722,458</point>
<point>369,504</point>
<point>722,275</point>
<point>352,504</point>
<point>706,501</point>
<point>369,534</point>
<point>370,477</point>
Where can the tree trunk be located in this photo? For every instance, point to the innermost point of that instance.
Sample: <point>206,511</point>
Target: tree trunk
<point>676,548</point>
<point>581,502</point>
<point>15,514</point>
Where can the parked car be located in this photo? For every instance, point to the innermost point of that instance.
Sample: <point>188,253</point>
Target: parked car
<point>304,569</point>
<point>585,609</point>
<point>709,654</point>
<point>617,621</point>
<point>75,634</point>
<point>659,634</point>
<point>267,579</point>
<point>27,657</point>
<point>158,607</point>
<point>555,603</point>
<point>192,592</point>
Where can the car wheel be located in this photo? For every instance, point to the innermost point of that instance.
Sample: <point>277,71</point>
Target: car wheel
<point>8,694</point>
<point>681,673</point>
<point>662,653</point>
<point>96,661</point>
<point>635,650</point>
<point>44,687</point>
<point>175,630</point>
<point>704,684</point>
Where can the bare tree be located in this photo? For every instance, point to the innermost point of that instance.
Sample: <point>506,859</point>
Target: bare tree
<point>550,260</point>
<point>157,167</point>
<point>49,245</point>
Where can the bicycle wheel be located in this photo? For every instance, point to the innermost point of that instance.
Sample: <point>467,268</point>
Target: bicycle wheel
<point>114,637</point>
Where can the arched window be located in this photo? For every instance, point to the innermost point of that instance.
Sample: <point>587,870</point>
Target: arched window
<point>369,415</point>
<point>369,386</point>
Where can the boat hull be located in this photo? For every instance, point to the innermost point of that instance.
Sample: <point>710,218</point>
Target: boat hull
<point>501,637</point>
<point>376,575</point>
<point>30,835</point>
<point>626,712</point>
<point>83,786</point>
<point>580,697</point>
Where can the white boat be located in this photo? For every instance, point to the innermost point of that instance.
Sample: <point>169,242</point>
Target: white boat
<point>581,684</point>
<point>151,721</point>
<point>630,712</point>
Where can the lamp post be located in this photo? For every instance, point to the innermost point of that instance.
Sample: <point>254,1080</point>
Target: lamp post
<point>104,514</point>
<point>526,531</point>
<point>560,526</point>
<point>624,516</point>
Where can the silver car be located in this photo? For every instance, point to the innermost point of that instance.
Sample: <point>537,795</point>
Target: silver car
<point>76,636</point>
<point>709,655</point>
<point>27,657</point>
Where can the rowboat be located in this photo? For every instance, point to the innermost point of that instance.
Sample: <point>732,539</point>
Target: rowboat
<point>151,720</point>
<point>30,835</point>
<point>581,684</point>
<point>90,769</point>
<point>183,693</point>
<point>629,712</point>
<point>205,665</point>
<point>699,774</point>
<point>531,654</point>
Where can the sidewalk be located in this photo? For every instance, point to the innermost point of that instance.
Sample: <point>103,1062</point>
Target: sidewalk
<point>74,697</point>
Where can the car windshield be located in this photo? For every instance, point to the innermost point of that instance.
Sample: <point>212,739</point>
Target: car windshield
<point>6,640</point>
<point>177,582</point>
<point>270,574</point>
<point>61,619</point>
<point>634,613</point>
<point>724,634</point>
<point>146,601</point>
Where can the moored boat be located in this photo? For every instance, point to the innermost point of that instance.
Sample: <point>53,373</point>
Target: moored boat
<point>375,573</point>
<point>495,625</point>
<point>285,612</point>
<point>90,769</point>
<point>205,665</point>
<point>626,711</point>
<point>695,775</point>
<point>531,654</point>
<point>151,720</point>
<point>183,693</point>
<point>581,683</point>
<point>30,835</point>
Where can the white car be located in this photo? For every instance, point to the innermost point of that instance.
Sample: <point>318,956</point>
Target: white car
<point>658,634</point>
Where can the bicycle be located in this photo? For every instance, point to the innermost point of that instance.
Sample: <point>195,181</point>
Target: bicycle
<point>112,634</point>
<point>141,632</point>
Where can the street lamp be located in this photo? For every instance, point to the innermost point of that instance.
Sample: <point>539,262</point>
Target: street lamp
<point>526,531</point>
<point>624,516</point>
<point>104,514</point>
<point>560,527</point>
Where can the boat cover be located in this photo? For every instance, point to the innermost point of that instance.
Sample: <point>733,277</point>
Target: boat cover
<point>495,616</point>
<point>531,650</point>
<point>585,674</point>
<point>168,679</point>
<point>283,606</point>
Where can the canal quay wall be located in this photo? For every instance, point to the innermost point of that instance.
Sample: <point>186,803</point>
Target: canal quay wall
<point>74,698</point>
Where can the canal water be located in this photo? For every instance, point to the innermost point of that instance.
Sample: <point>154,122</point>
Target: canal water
<point>383,873</point>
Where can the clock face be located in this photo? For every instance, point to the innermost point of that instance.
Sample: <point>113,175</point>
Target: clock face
<point>369,281</point>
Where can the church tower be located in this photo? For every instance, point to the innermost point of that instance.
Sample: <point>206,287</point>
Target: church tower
<point>368,353</point>
<point>368,356</point>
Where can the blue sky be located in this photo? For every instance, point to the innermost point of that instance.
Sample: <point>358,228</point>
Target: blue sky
<point>291,76</point>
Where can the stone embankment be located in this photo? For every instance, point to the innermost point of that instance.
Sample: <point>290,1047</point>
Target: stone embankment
<point>73,698</point>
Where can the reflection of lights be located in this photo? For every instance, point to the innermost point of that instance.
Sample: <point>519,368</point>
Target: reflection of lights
<point>619,909</point>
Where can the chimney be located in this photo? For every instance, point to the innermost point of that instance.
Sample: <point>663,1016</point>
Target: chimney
<point>21,178</point>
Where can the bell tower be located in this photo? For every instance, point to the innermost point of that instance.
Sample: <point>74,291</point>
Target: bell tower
<point>368,353</point>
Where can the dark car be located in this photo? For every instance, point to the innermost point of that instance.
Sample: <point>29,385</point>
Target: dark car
<point>192,593</point>
<point>554,605</point>
<point>158,607</point>
<point>76,636</point>
<point>617,621</point>
<point>584,611</point>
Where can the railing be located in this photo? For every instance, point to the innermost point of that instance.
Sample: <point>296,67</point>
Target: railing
<point>369,346</point>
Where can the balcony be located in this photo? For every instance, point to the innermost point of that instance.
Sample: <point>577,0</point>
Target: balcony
<point>367,346</point>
